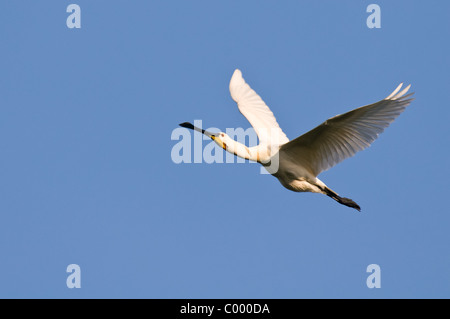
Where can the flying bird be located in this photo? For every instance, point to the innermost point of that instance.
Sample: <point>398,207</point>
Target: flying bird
<point>301,160</point>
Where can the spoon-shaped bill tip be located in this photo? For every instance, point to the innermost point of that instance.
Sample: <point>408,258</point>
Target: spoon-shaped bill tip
<point>195,128</point>
<point>187,125</point>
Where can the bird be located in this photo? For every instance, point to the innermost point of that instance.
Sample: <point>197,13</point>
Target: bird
<point>301,160</point>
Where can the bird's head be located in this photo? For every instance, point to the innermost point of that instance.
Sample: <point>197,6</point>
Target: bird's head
<point>219,138</point>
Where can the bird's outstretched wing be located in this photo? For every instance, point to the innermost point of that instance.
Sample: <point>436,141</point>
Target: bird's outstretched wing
<point>342,136</point>
<point>256,111</point>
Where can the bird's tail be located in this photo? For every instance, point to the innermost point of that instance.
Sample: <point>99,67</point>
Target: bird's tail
<point>341,200</point>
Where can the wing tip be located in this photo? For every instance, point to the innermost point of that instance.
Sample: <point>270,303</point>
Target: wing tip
<point>236,81</point>
<point>395,95</point>
<point>236,77</point>
<point>237,72</point>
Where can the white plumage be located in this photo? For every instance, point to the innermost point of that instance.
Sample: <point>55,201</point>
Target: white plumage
<point>255,110</point>
<point>300,161</point>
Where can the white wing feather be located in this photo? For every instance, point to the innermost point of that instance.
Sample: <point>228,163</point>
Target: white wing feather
<point>342,136</point>
<point>256,111</point>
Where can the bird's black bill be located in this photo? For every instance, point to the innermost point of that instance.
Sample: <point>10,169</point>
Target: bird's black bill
<point>187,125</point>
<point>195,128</point>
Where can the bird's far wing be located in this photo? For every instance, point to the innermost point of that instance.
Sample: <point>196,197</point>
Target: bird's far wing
<point>256,111</point>
<point>342,136</point>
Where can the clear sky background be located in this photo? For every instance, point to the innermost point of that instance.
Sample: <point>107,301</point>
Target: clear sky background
<point>86,175</point>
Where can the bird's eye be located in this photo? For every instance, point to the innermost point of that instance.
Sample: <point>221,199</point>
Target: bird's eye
<point>222,135</point>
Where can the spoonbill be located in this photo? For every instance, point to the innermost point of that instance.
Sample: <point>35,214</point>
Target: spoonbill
<point>301,160</point>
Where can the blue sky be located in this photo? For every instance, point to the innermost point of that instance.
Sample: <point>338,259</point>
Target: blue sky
<point>86,176</point>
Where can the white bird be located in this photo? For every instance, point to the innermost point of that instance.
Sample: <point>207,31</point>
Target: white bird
<point>300,161</point>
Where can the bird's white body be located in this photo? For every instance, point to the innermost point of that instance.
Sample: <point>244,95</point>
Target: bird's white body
<point>291,175</point>
<point>297,163</point>
<point>296,178</point>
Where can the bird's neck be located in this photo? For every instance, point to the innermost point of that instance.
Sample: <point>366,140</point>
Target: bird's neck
<point>256,153</point>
